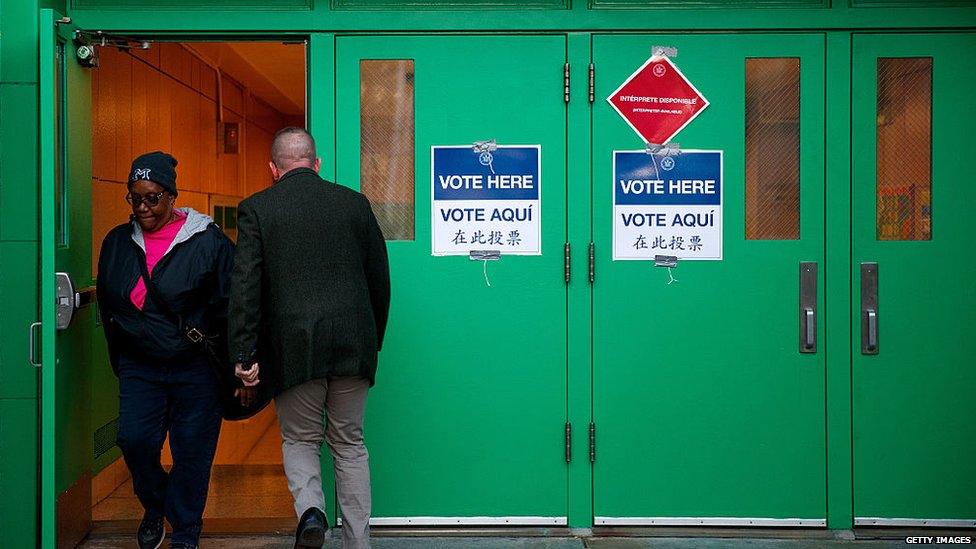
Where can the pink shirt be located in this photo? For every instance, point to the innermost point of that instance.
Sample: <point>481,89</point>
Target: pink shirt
<point>156,245</point>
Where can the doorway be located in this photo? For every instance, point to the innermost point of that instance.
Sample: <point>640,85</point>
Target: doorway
<point>215,106</point>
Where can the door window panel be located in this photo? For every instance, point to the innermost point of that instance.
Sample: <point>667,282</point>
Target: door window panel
<point>773,148</point>
<point>904,149</point>
<point>386,95</point>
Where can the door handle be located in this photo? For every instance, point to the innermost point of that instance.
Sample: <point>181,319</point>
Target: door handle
<point>869,309</point>
<point>808,307</point>
<point>872,330</point>
<point>32,345</point>
<point>810,323</point>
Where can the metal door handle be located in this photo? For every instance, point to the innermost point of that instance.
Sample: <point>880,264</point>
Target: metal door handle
<point>810,323</point>
<point>869,308</point>
<point>32,345</point>
<point>872,330</point>
<point>808,307</point>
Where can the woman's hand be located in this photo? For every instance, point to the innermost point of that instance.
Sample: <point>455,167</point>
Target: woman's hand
<point>249,376</point>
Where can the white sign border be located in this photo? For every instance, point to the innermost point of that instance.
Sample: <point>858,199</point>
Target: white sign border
<point>654,58</point>
<point>613,204</point>
<point>433,236</point>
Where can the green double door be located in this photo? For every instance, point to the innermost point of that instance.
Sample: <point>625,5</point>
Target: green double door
<point>707,413</point>
<point>465,424</point>
<point>914,377</point>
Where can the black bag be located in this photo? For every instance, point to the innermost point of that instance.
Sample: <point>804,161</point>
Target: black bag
<point>215,349</point>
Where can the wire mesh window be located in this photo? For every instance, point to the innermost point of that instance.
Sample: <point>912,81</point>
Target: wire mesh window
<point>386,95</point>
<point>904,150</point>
<point>773,148</point>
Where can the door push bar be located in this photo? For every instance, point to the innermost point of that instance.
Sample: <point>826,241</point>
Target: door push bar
<point>808,307</point>
<point>869,308</point>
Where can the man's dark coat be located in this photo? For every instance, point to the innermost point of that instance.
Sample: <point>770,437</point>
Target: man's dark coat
<point>310,292</point>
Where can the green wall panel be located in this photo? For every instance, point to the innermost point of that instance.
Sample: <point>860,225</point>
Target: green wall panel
<point>18,473</point>
<point>18,163</point>
<point>18,293</point>
<point>18,54</point>
<point>193,4</point>
<point>911,3</point>
<point>697,4</point>
<point>448,4</point>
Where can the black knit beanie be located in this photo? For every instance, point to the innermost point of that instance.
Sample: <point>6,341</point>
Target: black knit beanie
<point>158,167</point>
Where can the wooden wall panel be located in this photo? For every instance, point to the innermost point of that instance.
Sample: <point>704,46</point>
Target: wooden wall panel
<point>123,117</point>
<point>257,173</point>
<point>140,106</point>
<point>233,95</point>
<point>164,99</point>
<point>207,115</point>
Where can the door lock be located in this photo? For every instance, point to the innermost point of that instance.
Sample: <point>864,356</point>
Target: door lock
<point>67,300</point>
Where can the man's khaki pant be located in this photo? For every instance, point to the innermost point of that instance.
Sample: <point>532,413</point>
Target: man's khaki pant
<point>301,411</point>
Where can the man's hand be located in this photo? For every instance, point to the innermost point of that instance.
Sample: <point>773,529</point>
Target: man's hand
<point>247,395</point>
<point>248,376</point>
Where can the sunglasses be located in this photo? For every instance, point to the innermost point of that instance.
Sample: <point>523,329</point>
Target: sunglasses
<point>151,200</point>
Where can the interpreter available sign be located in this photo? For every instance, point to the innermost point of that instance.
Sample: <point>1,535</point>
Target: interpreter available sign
<point>486,199</point>
<point>667,205</point>
<point>657,101</point>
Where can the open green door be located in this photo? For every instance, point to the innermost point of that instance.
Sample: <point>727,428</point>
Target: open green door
<point>914,305</point>
<point>65,156</point>
<point>465,425</point>
<point>708,408</point>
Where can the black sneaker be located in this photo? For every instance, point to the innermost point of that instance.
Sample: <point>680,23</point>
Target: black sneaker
<point>151,533</point>
<point>311,529</point>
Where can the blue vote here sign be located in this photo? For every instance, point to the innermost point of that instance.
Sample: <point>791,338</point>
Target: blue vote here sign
<point>667,205</point>
<point>486,199</point>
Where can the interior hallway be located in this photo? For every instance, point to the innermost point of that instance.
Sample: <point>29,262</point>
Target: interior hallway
<point>248,489</point>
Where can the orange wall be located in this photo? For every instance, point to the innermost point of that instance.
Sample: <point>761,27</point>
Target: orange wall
<point>164,99</point>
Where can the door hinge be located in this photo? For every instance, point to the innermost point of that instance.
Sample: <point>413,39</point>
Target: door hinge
<point>592,442</point>
<point>592,83</point>
<point>566,82</point>
<point>592,263</point>
<point>569,442</point>
<point>567,266</point>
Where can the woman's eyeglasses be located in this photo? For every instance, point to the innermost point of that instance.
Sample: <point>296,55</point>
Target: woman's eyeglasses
<point>151,199</point>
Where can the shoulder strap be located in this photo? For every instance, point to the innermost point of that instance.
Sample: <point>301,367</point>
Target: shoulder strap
<point>157,299</point>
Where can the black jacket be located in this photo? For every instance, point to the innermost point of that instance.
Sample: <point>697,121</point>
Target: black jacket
<point>311,286</point>
<point>193,278</point>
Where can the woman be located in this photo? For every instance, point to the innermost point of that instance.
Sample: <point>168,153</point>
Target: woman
<point>166,384</point>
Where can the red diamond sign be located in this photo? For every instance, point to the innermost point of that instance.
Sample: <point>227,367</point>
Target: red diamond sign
<point>657,101</point>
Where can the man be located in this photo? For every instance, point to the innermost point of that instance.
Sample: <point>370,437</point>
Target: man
<point>310,294</point>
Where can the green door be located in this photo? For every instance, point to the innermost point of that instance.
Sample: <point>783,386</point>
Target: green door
<point>465,425</point>
<point>705,410</point>
<point>913,377</point>
<point>65,147</point>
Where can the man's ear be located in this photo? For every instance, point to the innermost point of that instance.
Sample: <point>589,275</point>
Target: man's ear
<point>318,164</point>
<point>275,174</point>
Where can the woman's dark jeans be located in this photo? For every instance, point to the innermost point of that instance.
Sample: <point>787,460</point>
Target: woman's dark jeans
<point>181,398</point>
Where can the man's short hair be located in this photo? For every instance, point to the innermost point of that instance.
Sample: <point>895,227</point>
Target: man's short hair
<point>292,145</point>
